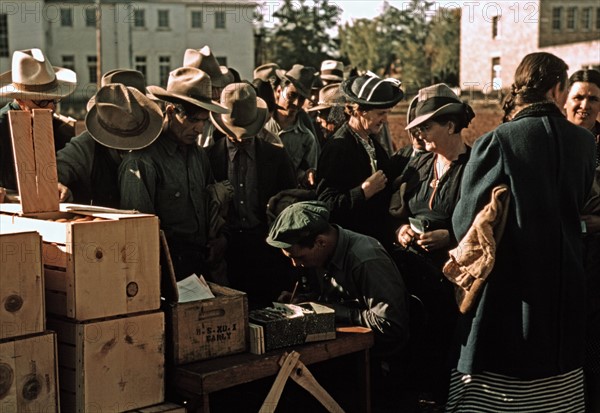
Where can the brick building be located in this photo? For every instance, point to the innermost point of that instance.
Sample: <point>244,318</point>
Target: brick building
<point>495,35</point>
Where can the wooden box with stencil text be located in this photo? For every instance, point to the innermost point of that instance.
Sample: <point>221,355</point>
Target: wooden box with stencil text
<point>21,284</point>
<point>112,365</point>
<point>28,374</point>
<point>97,264</point>
<point>206,329</point>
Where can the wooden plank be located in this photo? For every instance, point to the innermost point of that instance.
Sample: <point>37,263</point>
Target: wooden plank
<point>55,280</point>
<point>24,153</point>
<point>45,160</point>
<point>54,255</point>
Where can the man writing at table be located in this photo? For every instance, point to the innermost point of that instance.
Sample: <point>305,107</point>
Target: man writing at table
<point>359,279</point>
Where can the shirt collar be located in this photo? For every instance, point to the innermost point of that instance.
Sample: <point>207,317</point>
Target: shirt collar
<point>249,147</point>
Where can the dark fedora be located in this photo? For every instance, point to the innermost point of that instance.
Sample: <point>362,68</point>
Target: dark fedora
<point>372,91</point>
<point>205,60</point>
<point>247,113</point>
<point>433,101</point>
<point>302,77</point>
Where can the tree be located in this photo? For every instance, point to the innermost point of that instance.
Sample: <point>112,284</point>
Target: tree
<point>302,33</point>
<point>442,47</point>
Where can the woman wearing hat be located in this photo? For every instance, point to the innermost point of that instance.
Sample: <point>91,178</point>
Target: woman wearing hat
<point>351,172</point>
<point>33,83</point>
<point>427,193</point>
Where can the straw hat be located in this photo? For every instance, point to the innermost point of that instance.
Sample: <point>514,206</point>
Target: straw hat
<point>123,118</point>
<point>372,91</point>
<point>247,113</point>
<point>433,101</point>
<point>33,77</point>
<point>188,85</point>
<point>203,59</point>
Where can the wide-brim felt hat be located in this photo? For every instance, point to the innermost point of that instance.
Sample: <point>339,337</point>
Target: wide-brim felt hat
<point>127,77</point>
<point>302,77</point>
<point>188,85</point>
<point>266,72</point>
<point>123,118</point>
<point>247,113</point>
<point>204,59</point>
<point>373,91</point>
<point>34,78</point>
<point>434,101</point>
<point>329,96</point>
<point>332,70</point>
<point>410,111</point>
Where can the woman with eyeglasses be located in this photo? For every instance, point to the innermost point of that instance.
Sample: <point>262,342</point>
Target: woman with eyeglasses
<point>33,83</point>
<point>424,199</point>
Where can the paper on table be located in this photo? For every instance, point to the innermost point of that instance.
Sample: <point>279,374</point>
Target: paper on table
<point>193,288</point>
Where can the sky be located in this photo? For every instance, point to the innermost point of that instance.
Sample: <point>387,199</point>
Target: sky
<point>354,9</point>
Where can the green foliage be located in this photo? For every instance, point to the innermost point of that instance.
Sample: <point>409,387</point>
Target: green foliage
<point>302,33</point>
<point>442,47</point>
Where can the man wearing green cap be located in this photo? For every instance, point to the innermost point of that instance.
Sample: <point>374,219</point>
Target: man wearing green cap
<point>360,280</point>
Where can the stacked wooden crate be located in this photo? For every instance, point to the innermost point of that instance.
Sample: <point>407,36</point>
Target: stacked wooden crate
<point>28,367</point>
<point>102,283</point>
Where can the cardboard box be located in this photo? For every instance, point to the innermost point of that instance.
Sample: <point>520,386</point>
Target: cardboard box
<point>111,365</point>
<point>21,285</point>
<point>28,374</point>
<point>102,267</point>
<point>206,329</point>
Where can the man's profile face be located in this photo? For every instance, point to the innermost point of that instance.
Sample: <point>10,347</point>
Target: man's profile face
<point>307,257</point>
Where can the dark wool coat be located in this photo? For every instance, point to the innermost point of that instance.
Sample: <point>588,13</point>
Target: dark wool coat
<point>343,166</point>
<point>529,322</point>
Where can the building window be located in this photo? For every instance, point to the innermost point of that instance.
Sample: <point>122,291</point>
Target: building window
<point>3,35</point>
<point>496,69</point>
<point>140,65</point>
<point>139,18</point>
<point>196,20</point>
<point>68,62</point>
<point>495,27</point>
<point>164,66</point>
<point>66,17</point>
<point>90,17</point>
<point>586,18</point>
<point>163,19</point>
<point>220,20</point>
<point>556,18</point>
<point>571,18</point>
<point>92,64</point>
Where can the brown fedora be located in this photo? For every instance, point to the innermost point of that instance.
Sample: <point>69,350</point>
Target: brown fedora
<point>203,59</point>
<point>266,72</point>
<point>188,85</point>
<point>247,112</point>
<point>329,96</point>
<point>123,118</point>
<point>33,77</point>
<point>302,77</point>
<point>435,100</point>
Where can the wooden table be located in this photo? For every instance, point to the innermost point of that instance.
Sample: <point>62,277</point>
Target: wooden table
<point>198,380</point>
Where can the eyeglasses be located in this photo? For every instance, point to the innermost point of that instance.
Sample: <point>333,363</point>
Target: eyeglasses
<point>45,102</point>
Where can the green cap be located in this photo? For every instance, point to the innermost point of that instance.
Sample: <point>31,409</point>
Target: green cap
<point>298,221</point>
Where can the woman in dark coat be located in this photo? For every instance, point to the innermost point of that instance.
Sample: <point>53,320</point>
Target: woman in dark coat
<point>522,344</point>
<point>352,169</point>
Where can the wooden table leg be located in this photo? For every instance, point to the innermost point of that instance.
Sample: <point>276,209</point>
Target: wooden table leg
<point>364,374</point>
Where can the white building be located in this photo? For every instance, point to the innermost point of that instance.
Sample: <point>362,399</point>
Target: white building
<point>148,35</point>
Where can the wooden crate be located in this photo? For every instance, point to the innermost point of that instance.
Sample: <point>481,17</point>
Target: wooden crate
<point>28,374</point>
<point>209,328</point>
<point>161,408</point>
<point>21,285</point>
<point>112,365</point>
<point>96,269</point>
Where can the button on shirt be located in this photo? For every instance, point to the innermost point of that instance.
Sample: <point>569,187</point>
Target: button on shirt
<point>241,172</point>
<point>169,180</point>
<point>299,142</point>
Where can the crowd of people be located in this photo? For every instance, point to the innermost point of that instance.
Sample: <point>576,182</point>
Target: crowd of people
<point>290,178</point>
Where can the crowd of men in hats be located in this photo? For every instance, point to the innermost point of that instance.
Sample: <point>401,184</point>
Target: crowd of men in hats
<point>292,174</point>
